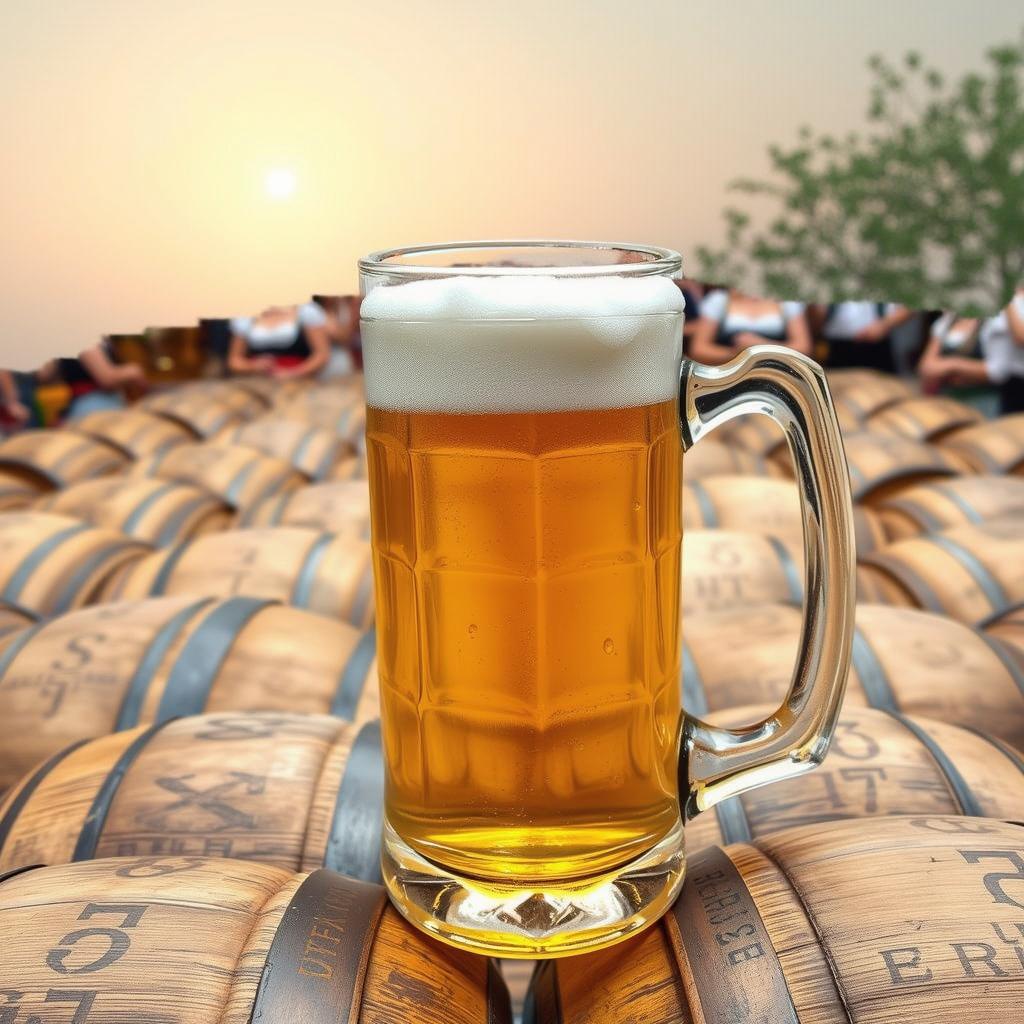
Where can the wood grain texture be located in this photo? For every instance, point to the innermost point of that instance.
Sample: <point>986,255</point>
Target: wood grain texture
<point>904,659</point>
<point>340,408</point>
<point>728,569</point>
<point>16,491</point>
<point>309,569</point>
<point>157,512</point>
<point>185,940</point>
<point>134,431</point>
<point>260,786</point>
<point>860,395</point>
<point>48,459</point>
<point>925,418</point>
<point>119,665</point>
<point>712,457</point>
<point>941,504</point>
<point>970,572</point>
<point>897,919</point>
<point>879,764</point>
<point>882,465</point>
<point>993,447</point>
<point>51,563</point>
<point>238,476</point>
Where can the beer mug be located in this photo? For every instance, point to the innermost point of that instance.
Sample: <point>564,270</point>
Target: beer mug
<point>528,411</point>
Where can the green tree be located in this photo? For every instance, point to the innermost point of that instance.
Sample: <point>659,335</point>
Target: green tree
<point>926,207</point>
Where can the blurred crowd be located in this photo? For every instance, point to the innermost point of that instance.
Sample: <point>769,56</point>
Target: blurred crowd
<point>978,360</point>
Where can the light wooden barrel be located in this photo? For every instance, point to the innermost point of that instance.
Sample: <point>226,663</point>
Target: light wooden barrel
<point>341,507</point>
<point>56,458</point>
<point>993,447</point>
<point>1008,628</point>
<point>879,763</point>
<point>926,418</point>
<point>315,452</point>
<point>935,506</point>
<point>296,791</point>
<point>14,618</point>
<point>307,569</point>
<point>881,466</point>
<point>341,409</point>
<point>756,434</point>
<point>970,572</point>
<point>238,476</point>
<point>762,505</point>
<point>16,492</point>
<point>113,667</point>
<point>903,660</point>
<point>203,410</point>
<point>860,397</point>
<point>726,569</point>
<point>894,919</point>
<point>159,512</point>
<point>50,564</point>
<point>716,458</point>
<point>134,432</point>
<point>196,940</point>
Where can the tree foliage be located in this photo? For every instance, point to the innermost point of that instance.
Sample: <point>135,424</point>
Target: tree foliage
<point>926,207</point>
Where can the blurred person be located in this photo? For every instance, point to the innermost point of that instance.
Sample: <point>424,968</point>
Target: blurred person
<point>13,411</point>
<point>96,380</point>
<point>978,361</point>
<point>693,291</point>
<point>342,326</point>
<point>730,321</point>
<point>282,342</point>
<point>859,333</point>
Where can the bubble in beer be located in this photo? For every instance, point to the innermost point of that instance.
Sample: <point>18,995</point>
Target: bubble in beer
<point>609,645</point>
<point>473,629</point>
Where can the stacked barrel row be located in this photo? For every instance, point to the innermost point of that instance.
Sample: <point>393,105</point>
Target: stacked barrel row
<point>187,674</point>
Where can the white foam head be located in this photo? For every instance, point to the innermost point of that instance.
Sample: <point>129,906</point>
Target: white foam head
<point>526,343</point>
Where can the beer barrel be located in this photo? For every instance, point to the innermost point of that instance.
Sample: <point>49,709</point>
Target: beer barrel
<point>159,512</point>
<point>895,919</point>
<point>993,447</point>
<point>13,618</point>
<point>305,568</point>
<point>879,763</point>
<point>315,452</point>
<point>903,660</point>
<point>935,506</point>
<point>762,505</point>
<point>47,459</point>
<point>50,564</point>
<point>16,491</point>
<point>112,667</point>
<point>340,507</point>
<point>203,410</point>
<point>238,476</point>
<point>726,569</point>
<point>716,458</point>
<point>860,397</point>
<point>969,572</point>
<point>1008,628</point>
<point>757,434</point>
<point>880,465</point>
<point>341,409</point>
<point>135,432</point>
<point>927,418</point>
<point>296,791</point>
<point>196,940</point>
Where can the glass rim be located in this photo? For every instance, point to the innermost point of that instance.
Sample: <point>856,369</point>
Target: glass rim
<point>655,261</point>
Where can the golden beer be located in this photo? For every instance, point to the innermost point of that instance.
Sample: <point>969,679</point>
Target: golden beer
<point>527,569</point>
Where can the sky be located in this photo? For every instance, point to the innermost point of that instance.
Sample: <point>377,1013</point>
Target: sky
<point>168,161</point>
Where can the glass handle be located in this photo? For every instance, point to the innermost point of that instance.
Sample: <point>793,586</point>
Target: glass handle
<point>717,763</point>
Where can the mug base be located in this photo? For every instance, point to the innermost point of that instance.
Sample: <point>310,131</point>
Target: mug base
<point>531,922</point>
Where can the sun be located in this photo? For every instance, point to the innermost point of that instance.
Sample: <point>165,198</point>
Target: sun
<point>279,182</point>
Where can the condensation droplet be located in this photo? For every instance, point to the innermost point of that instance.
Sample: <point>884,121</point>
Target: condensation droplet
<point>472,629</point>
<point>636,506</point>
<point>609,646</point>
